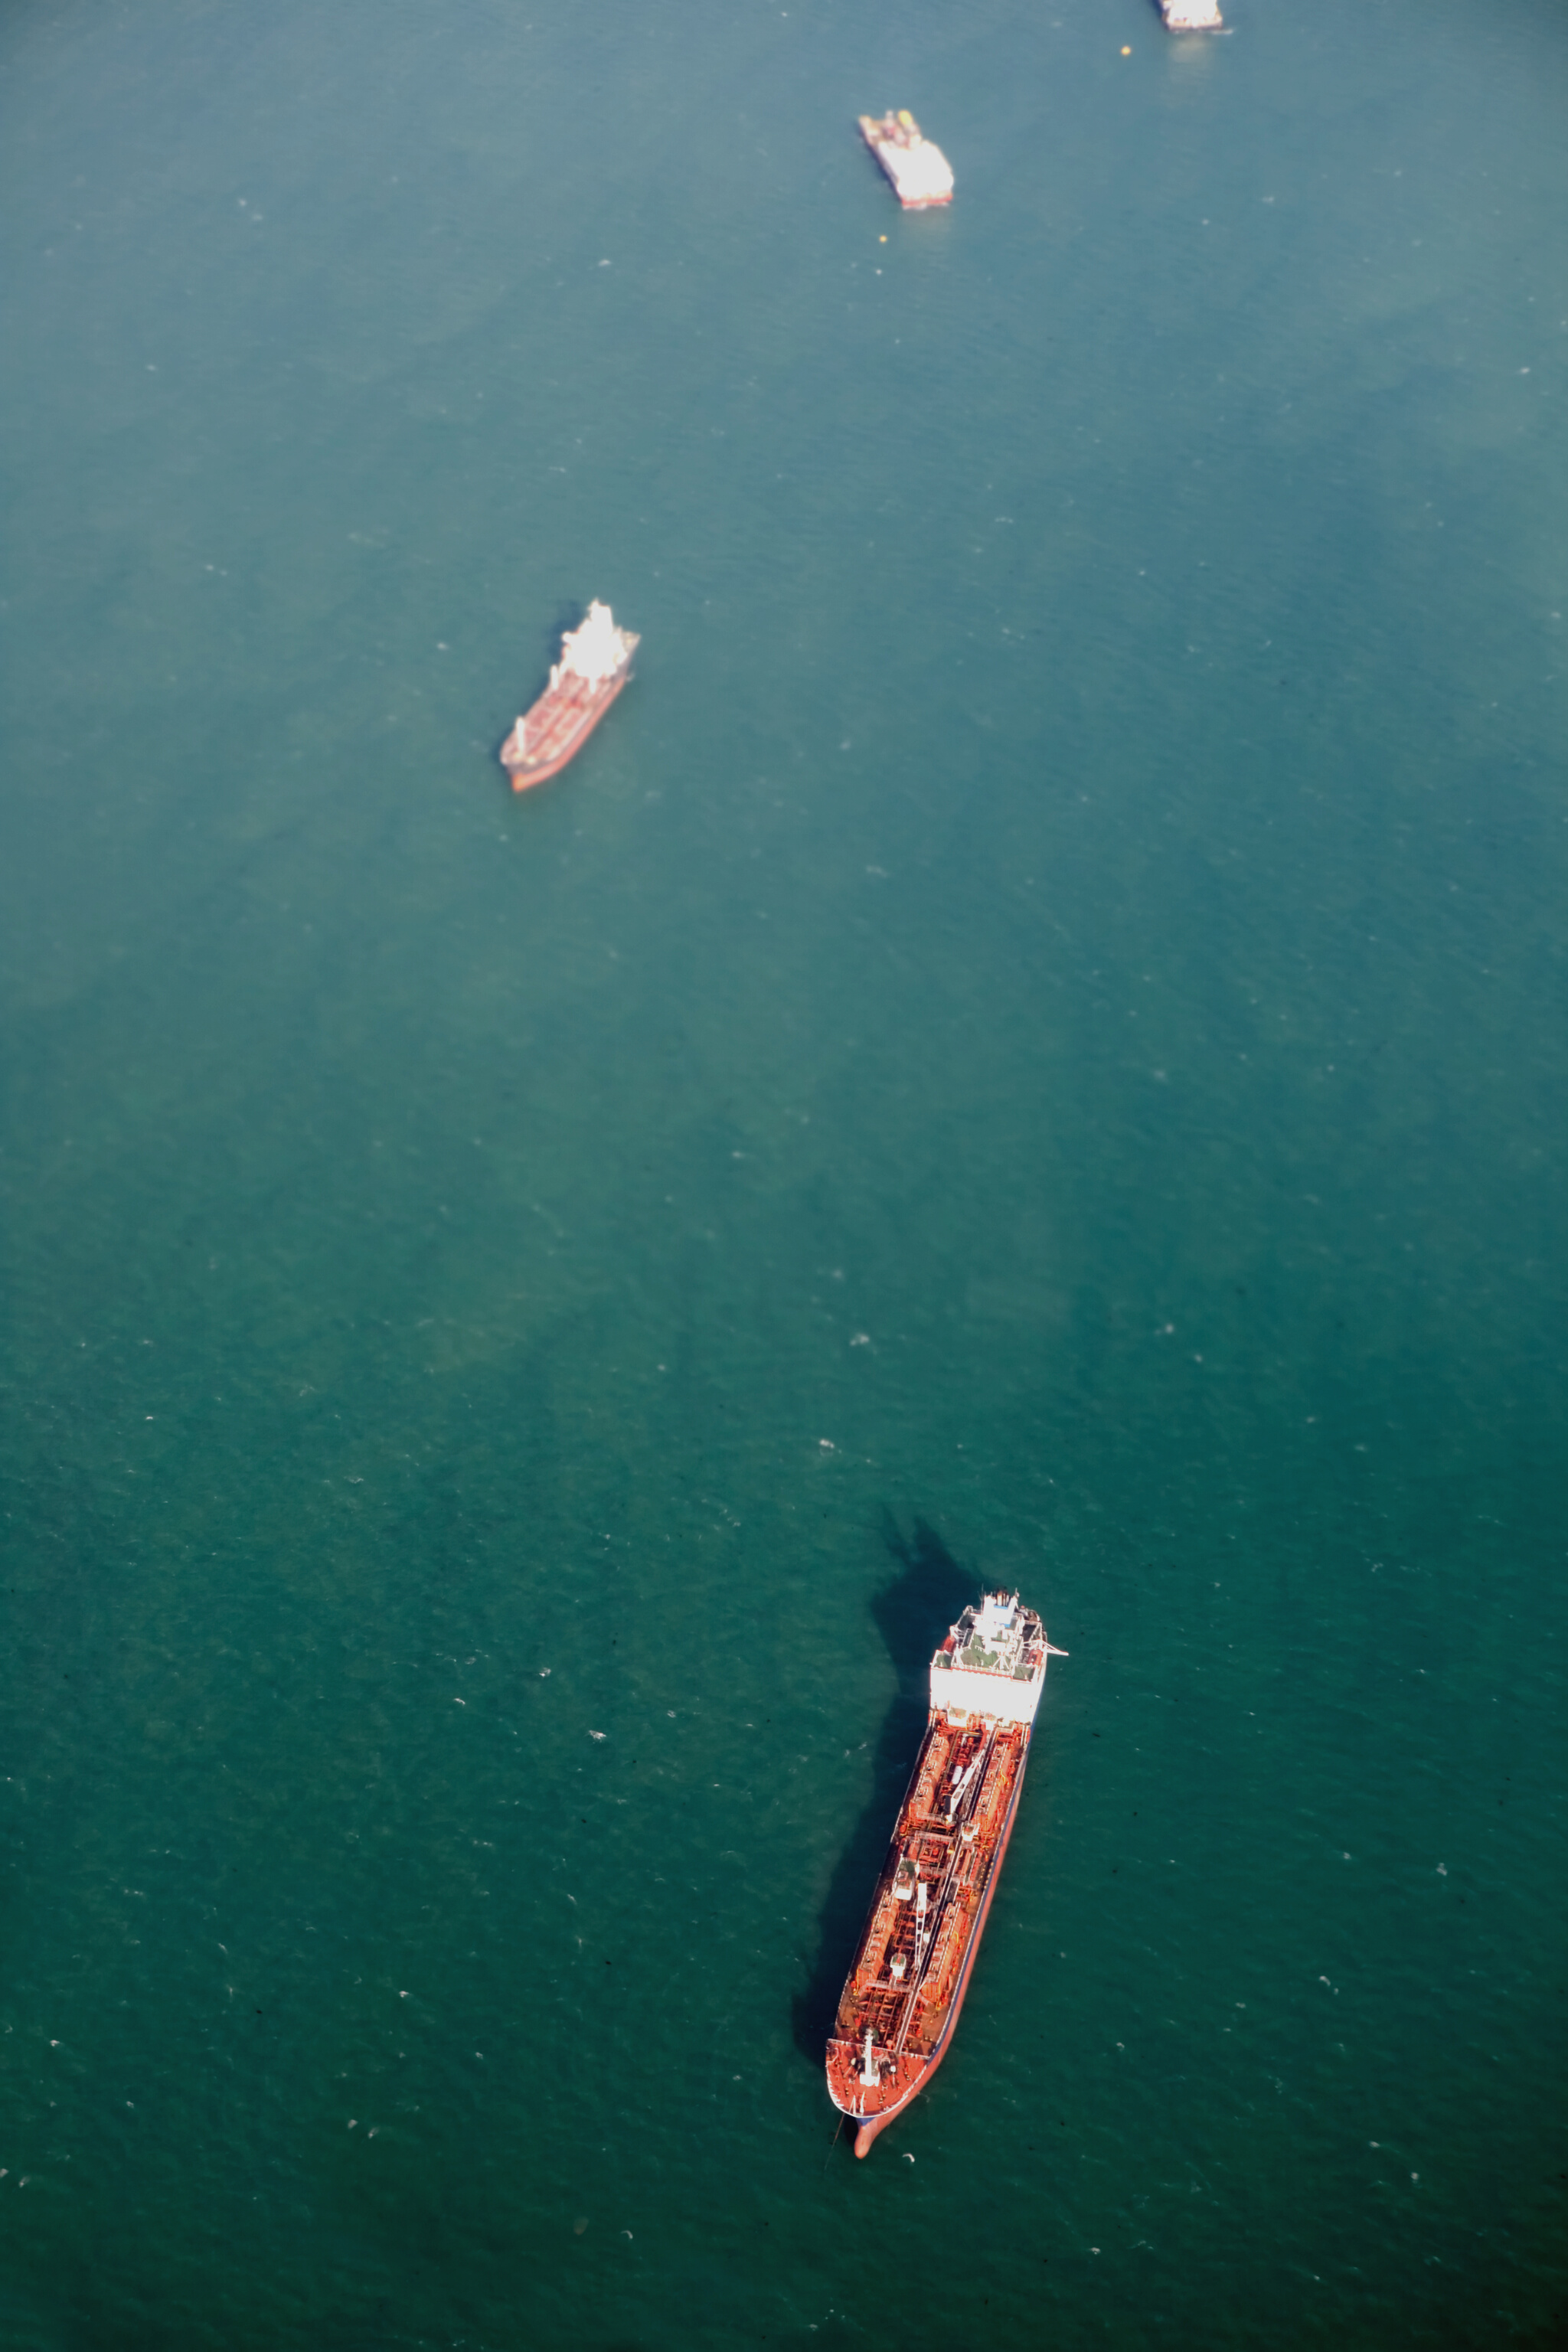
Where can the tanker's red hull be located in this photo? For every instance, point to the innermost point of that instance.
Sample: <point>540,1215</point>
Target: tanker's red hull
<point>906,1986</point>
<point>557,727</point>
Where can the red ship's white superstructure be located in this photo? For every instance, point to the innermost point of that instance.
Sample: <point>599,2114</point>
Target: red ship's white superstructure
<point>596,663</point>
<point>902,1997</point>
<point>918,170</point>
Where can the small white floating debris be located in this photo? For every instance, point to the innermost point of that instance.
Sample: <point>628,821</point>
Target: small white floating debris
<point>544,1674</point>
<point>598,1735</point>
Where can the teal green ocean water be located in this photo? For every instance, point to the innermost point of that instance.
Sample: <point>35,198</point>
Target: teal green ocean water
<point>1030,1048</point>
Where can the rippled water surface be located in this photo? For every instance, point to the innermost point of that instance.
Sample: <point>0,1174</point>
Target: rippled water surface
<point>1029,1048</point>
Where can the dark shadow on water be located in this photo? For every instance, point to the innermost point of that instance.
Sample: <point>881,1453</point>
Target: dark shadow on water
<point>912,1613</point>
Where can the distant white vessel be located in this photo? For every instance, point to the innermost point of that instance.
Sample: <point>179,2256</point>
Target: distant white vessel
<point>919,171</point>
<point>1191,16</point>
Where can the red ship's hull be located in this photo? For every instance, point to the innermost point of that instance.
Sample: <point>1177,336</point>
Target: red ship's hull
<point>557,727</point>
<point>868,2130</point>
<point>913,2030</point>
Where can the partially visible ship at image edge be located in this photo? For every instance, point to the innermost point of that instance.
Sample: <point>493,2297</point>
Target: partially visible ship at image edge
<point>1192,17</point>
<point>902,1997</point>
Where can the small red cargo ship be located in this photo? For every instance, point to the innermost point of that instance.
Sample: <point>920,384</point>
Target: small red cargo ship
<point>902,1997</point>
<point>919,172</point>
<point>596,663</point>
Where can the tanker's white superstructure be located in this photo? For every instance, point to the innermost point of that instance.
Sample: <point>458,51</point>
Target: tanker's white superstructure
<point>1192,17</point>
<point>595,651</point>
<point>918,171</point>
<point>993,1664</point>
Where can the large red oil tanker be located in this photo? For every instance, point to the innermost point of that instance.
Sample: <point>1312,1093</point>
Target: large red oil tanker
<point>902,1999</point>
<point>596,663</point>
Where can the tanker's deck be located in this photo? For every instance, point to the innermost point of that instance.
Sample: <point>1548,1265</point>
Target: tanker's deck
<point>928,1906</point>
